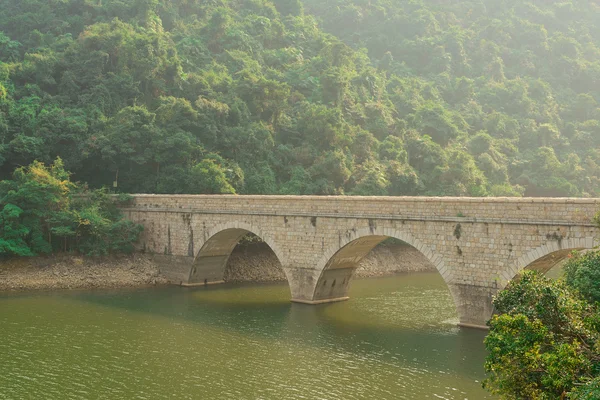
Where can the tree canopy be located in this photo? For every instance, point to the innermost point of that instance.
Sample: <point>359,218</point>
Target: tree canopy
<point>305,96</point>
<point>544,342</point>
<point>582,271</point>
<point>42,211</point>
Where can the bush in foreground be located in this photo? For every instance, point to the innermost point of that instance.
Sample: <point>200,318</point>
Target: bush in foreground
<point>543,342</point>
<point>582,272</point>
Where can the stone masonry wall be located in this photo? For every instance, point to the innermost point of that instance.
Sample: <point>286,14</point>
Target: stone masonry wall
<point>477,244</point>
<point>457,229</point>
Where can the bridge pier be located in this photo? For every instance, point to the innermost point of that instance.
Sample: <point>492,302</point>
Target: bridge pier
<point>473,304</point>
<point>175,268</point>
<point>302,283</point>
<point>332,287</point>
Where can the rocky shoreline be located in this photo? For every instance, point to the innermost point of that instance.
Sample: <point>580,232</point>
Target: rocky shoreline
<point>248,263</point>
<point>73,272</point>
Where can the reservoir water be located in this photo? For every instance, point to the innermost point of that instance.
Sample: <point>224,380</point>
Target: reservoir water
<point>395,339</point>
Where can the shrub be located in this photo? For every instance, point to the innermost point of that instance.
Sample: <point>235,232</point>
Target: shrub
<point>42,211</point>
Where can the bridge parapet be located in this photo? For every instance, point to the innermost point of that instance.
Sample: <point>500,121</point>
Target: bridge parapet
<point>571,211</point>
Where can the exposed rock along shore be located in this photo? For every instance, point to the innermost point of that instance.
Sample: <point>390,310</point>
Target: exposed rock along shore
<point>248,263</point>
<point>72,272</point>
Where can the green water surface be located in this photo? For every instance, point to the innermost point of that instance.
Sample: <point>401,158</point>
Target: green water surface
<point>395,339</point>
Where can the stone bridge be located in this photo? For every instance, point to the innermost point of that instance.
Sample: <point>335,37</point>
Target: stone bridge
<point>476,244</point>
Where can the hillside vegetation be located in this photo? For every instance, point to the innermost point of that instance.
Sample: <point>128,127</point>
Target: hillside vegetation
<point>378,97</point>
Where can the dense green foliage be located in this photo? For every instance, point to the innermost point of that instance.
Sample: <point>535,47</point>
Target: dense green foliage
<point>582,272</point>
<point>287,96</point>
<point>588,391</point>
<point>544,342</point>
<point>42,211</point>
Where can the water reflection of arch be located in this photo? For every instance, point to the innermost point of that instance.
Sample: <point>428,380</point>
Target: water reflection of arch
<point>548,255</point>
<point>210,261</point>
<point>336,267</point>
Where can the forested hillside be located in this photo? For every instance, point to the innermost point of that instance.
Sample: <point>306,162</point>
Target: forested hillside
<point>378,97</point>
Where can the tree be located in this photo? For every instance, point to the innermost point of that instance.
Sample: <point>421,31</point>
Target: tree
<point>150,88</point>
<point>370,180</point>
<point>403,179</point>
<point>9,49</point>
<point>582,272</point>
<point>543,342</point>
<point>433,120</point>
<point>462,177</point>
<point>545,176</point>
<point>286,7</point>
<point>29,203</point>
<point>209,177</point>
<point>42,211</point>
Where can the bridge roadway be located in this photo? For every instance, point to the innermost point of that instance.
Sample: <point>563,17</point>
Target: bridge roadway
<point>477,244</point>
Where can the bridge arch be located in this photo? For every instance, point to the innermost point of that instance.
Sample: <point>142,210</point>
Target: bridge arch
<point>211,260</point>
<point>546,256</point>
<point>337,265</point>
